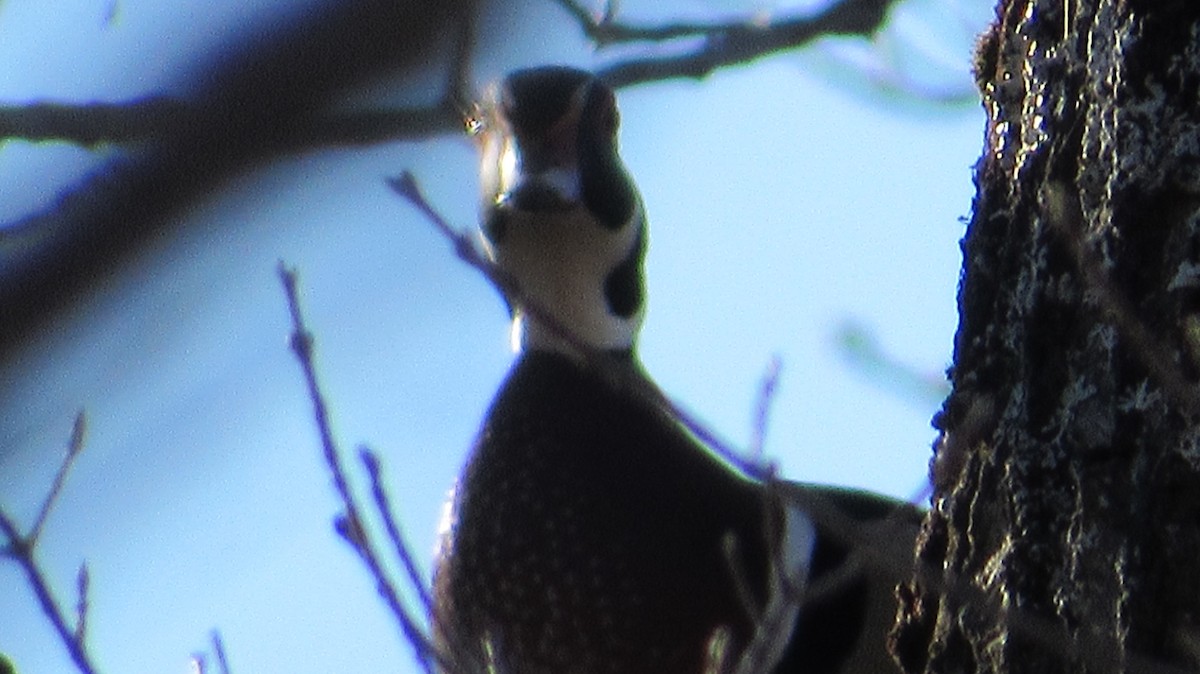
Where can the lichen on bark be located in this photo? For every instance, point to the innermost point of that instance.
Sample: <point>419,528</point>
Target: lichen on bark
<point>1065,528</point>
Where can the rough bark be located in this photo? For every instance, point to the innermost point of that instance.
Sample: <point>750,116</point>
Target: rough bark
<point>1065,528</point>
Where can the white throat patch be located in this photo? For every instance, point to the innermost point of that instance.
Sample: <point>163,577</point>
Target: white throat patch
<point>560,261</point>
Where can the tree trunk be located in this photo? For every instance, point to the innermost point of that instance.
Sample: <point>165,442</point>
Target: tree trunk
<point>1065,528</point>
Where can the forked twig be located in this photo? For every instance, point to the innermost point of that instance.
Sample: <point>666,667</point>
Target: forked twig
<point>22,548</point>
<point>721,44</point>
<point>351,524</point>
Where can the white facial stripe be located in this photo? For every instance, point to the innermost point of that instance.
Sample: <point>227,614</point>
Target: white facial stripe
<point>561,261</point>
<point>494,153</point>
<point>508,166</point>
<point>563,181</point>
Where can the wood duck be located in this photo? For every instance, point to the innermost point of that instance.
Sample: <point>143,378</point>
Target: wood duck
<point>589,531</point>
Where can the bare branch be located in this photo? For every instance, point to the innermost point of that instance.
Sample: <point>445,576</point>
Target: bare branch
<point>604,30</point>
<point>74,445</point>
<point>21,549</point>
<point>255,99</point>
<point>401,547</point>
<point>82,584</point>
<point>350,525</point>
<point>762,407</point>
<point>219,650</point>
<point>722,44</point>
<point>91,124</point>
<point>406,186</point>
<point>156,118</point>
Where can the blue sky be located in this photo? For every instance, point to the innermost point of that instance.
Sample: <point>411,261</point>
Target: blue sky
<point>785,199</point>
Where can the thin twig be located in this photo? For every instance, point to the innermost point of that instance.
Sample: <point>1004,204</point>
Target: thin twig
<point>302,347</point>
<point>82,584</point>
<point>406,186</point>
<point>723,44</point>
<point>767,388</point>
<point>402,548</point>
<point>604,30</point>
<point>20,549</point>
<point>74,445</point>
<point>219,650</point>
<point>152,119</point>
<point>354,532</point>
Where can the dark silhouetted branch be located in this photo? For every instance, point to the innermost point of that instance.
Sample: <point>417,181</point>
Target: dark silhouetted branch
<point>269,95</point>
<point>92,124</point>
<point>722,44</point>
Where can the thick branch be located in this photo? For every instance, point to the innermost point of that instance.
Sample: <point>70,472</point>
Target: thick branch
<point>262,97</point>
<point>157,118</point>
<point>724,44</point>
